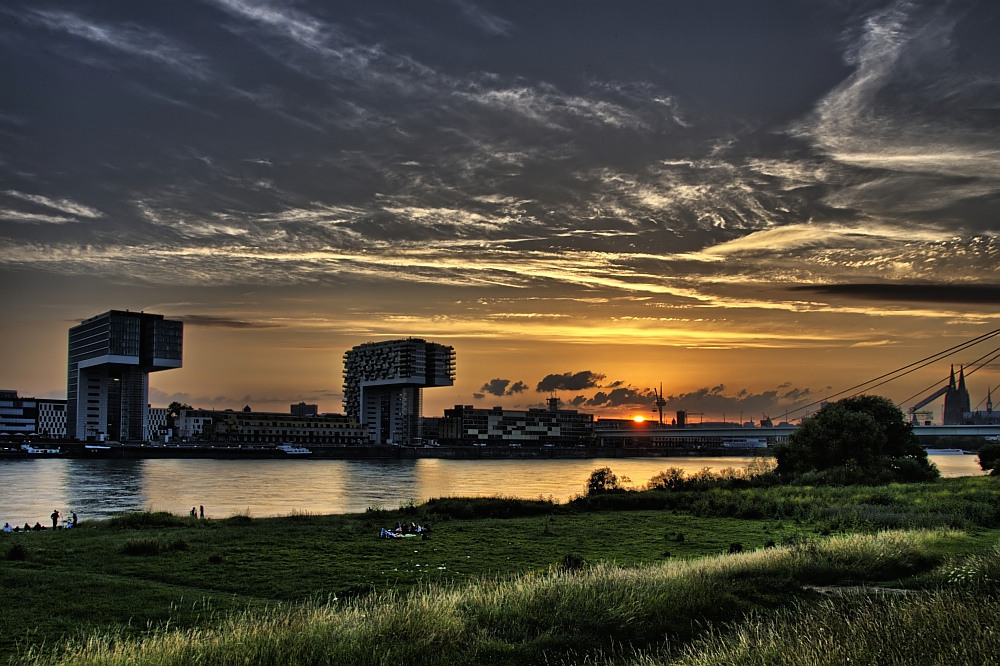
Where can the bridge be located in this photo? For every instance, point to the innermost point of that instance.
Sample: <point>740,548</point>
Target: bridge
<point>648,434</point>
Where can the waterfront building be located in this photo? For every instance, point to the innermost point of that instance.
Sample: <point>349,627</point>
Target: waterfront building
<point>110,358</point>
<point>465,424</point>
<point>383,383</point>
<point>988,417</point>
<point>234,428</point>
<point>50,419</point>
<point>158,423</point>
<point>23,417</point>
<point>302,409</point>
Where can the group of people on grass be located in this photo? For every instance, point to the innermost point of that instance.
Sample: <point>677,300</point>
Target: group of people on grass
<point>37,527</point>
<point>404,530</point>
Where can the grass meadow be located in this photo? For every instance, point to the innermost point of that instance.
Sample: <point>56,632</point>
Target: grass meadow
<point>692,575</point>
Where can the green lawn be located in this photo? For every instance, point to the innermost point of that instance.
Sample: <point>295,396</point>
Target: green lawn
<point>134,575</point>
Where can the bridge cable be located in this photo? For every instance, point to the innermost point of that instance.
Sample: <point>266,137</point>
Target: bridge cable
<point>927,360</point>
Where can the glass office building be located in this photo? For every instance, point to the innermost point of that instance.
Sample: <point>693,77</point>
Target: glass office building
<point>383,383</point>
<point>110,358</point>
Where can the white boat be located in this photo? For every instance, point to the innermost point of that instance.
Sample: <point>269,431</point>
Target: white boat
<point>27,448</point>
<point>945,452</point>
<point>294,450</point>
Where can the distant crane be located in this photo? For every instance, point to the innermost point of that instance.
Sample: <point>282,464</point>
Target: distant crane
<point>931,398</point>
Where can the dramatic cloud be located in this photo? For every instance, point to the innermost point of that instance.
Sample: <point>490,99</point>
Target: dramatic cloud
<point>621,397</point>
<point>502,387</point>
<point>210,321</point>
<point>569,381</point>
<point>921,293</point>
<point>685,176</point>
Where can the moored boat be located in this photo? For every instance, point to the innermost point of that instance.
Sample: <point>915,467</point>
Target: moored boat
<point>293,450</point>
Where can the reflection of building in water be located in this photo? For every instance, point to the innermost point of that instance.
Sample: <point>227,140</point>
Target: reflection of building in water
<point>471,425</point>
<point>110,358</point>
<point>239,427</point>
<point>98,489</point>
<point>31,416</point>
<point>383,383</point>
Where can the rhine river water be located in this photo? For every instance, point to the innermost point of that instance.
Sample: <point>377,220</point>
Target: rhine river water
<point>31,489</point>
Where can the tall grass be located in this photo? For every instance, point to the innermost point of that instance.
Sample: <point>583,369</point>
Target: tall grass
<point>557,614</point>
<point>137,520</point>
<point>944,627</point>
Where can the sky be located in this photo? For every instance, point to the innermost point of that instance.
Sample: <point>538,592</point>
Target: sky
<point>755,205</point>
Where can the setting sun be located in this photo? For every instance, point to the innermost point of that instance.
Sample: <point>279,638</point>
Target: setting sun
<point>638,419</point>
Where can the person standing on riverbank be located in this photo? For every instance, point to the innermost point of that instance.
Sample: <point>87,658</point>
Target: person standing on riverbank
<point>55,519</point>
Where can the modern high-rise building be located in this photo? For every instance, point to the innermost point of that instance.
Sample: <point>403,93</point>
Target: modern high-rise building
<point>110,358</point>
<point>383,383</point>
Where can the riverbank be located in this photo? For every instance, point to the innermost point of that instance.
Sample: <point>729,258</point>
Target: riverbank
<point>506,581</point>
<point>319,452</point>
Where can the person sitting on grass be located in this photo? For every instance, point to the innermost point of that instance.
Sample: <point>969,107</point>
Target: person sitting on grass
<point>7,527</point>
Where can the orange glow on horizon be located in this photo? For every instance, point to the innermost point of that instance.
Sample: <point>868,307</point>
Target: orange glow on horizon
<point>638,419</point>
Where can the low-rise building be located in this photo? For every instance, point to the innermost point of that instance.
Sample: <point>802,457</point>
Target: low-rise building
<point>158,424</point>
<point>465,424</point>
<point>248,427</point>
<point>24,417</point>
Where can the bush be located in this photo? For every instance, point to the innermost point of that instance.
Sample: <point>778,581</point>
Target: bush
<point>989,458</point>
<point>860,440</point>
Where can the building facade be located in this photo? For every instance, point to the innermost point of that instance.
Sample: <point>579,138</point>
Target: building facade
<point>956,400</point>
<point>157,424</point>
<point>110,358</point>
<point>383,383</point>
<point>41,417</point>
<point>465,424</point>
<point>234,428</point>
<point>303,409</point>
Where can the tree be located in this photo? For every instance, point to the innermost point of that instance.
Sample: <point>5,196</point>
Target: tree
<point>173,411</point>
<point>989,458</point>
<point>602,480</point>
<point>863,440</point>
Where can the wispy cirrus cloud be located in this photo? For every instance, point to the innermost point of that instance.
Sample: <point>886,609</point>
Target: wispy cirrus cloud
<point>76,210</point>
<point>129,38</point>
<point>485,20</point>
<point>909,111</point>
<point>34,218</point>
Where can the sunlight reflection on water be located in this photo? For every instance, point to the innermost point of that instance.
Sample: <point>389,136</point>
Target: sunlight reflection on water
<point>31,489</point>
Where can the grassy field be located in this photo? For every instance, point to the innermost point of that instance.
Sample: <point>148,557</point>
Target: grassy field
<point>619,578</point>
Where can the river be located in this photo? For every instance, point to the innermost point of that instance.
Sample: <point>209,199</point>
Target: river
<point>31,489</point>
